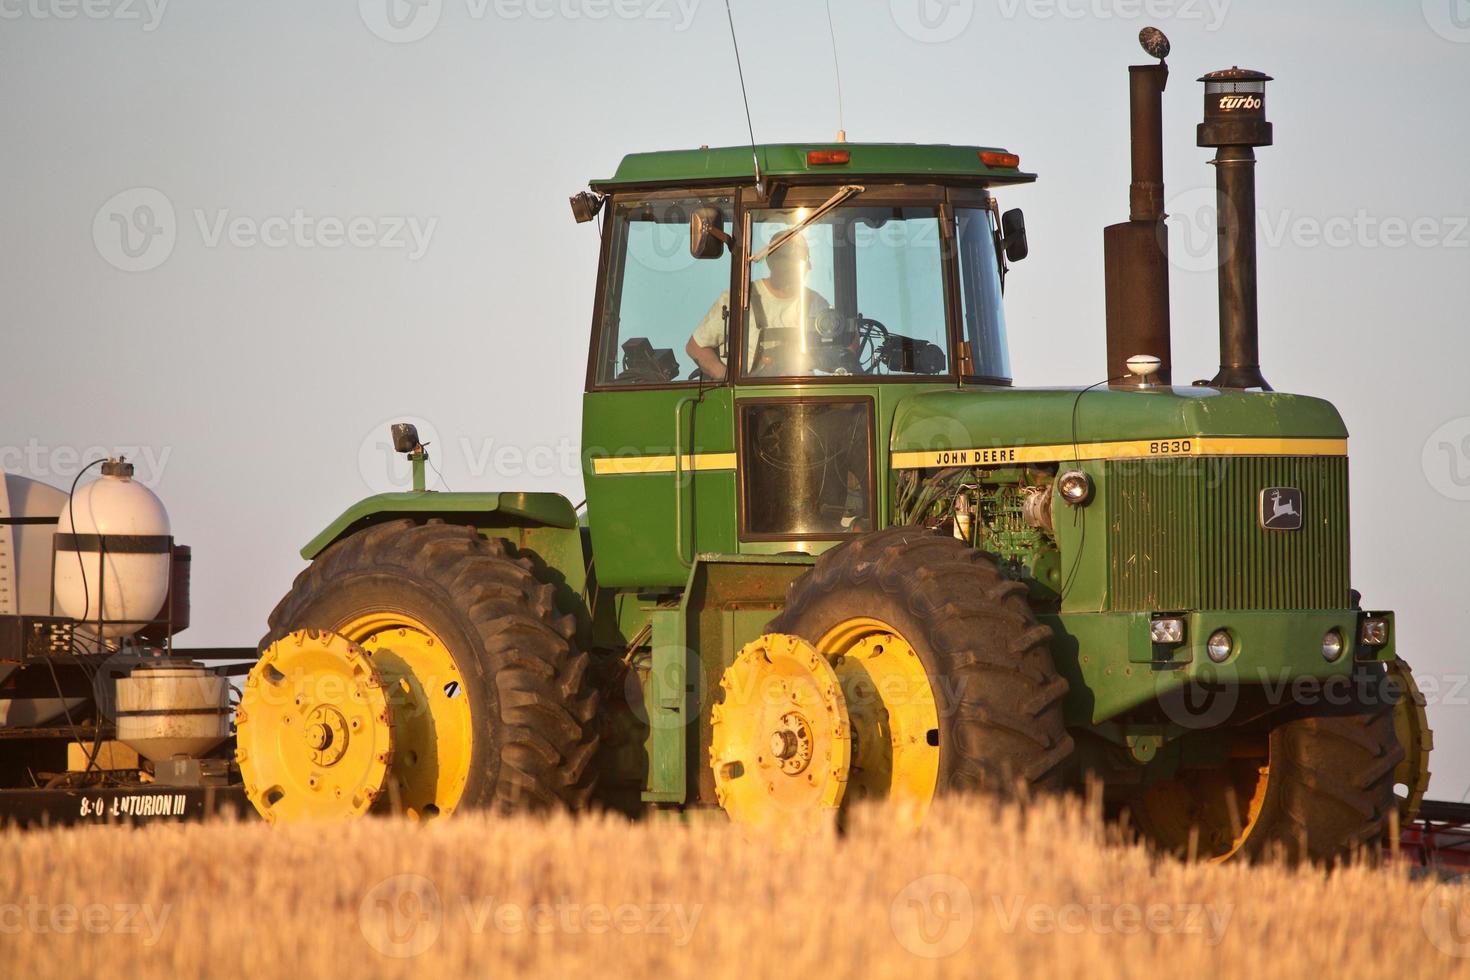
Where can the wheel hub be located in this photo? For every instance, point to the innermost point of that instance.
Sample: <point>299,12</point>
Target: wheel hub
<point>314,729</point>
<point>791,744</point>
<point>781,740</point>
<point>326,735</point>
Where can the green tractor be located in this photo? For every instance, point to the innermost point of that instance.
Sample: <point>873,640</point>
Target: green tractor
<point>830,554</point>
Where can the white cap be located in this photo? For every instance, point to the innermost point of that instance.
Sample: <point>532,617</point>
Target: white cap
<point>1143,365</point>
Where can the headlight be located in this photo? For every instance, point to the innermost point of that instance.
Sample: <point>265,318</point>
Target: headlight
<point>1220,646</point>
<point>1169,631</point>
<point>1373,632</point>
<point>1332,645</point>
<point>1075,487</point>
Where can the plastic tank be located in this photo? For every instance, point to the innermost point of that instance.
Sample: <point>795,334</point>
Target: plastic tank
<point>113,553</point>
<point>172,709</point>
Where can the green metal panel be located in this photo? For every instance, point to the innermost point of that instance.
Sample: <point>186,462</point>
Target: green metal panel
<point>1248,568</point>
<point>989,416</point>
<point>728,164</point>
<point>1185,534</point>
<point>542,526</point>
<point>549,509</point>
<point>646,527</point>
<point>668,706</point>
<point>727,602</point>
<point>1106,656</point>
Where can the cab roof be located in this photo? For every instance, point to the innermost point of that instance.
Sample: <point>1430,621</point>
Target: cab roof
<point>733,164</point>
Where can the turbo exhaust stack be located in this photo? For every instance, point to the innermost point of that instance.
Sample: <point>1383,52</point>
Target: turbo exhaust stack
<point>1235,124</point>
<point>1136,252</point>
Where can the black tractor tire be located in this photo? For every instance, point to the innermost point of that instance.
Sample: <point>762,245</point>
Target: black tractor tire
<point>1336,792</point>
<point>999,695</point>
<point>531,707</point>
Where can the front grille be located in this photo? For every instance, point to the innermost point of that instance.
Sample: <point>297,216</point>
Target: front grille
<point>1186,534</point>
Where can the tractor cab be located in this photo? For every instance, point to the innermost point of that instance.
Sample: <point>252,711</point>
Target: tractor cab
<point>758,318</point>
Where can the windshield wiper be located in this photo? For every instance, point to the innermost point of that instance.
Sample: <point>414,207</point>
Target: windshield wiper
<point>843,193</point>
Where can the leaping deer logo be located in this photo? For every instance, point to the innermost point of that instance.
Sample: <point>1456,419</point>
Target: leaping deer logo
<point>1280,508</point>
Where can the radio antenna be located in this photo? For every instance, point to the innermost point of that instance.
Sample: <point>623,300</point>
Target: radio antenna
<point>750,127</point>
<point>836,70</point>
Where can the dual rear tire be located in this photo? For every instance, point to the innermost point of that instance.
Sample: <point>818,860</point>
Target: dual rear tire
<point>492,703</point>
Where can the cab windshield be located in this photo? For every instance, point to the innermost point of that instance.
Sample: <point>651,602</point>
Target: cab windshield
<point>857,292</point>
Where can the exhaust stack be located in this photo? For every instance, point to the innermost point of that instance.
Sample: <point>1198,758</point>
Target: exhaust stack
<point>1136,252</point>
<point>1235,124</point>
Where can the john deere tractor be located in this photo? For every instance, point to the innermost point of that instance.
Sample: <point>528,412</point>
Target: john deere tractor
<point>830,554</point>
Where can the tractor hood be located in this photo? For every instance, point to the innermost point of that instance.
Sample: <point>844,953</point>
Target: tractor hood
<point>998,426</point>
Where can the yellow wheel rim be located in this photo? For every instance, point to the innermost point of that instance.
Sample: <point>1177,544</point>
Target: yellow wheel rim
<point>434,731</point>
<point>1411,725</point>
<point>895,717</point>
<point>781,742</point>
<point>1213,812</point>
<point>314,730</point>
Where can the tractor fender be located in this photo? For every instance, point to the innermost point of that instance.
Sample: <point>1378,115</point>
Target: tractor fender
<point>543,526</point>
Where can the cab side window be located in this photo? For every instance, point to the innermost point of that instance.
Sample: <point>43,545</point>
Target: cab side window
<point>657,295</point>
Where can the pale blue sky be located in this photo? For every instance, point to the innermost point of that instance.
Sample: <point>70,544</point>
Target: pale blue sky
<point>262,376</point>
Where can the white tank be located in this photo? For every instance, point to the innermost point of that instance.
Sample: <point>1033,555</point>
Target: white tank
<point>25,581</point>
<point>112,551</point>
<point>171,710</point>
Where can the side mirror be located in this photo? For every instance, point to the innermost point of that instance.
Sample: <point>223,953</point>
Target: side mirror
<point>707,237</point>
<point>1013,235</point>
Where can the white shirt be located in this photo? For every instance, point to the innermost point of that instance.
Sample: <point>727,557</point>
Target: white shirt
<point>775,312</point>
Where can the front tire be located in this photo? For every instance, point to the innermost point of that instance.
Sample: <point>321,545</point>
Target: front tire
<point>982,667</point>
<point>1316,789</point>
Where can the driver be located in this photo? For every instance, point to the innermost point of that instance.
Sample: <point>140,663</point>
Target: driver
<point>779,301</point>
